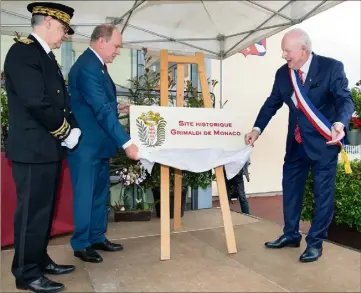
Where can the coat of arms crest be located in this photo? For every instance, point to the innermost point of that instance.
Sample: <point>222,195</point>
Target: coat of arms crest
<point>151,129</point>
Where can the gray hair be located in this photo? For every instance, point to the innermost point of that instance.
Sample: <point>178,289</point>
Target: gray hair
<point>301,35</point>
<point>37,20</point>
<point>102,31</point>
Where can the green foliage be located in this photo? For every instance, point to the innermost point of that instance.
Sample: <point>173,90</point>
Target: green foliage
<point>356,96</point>
<point>195,180</point>
<point>153,180</point>
<point>194,99</point>
<point>347,197</point>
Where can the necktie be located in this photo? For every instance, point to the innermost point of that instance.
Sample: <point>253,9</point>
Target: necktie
<point>106,67</point>
<point>51,55</point>
<point>297,130</point>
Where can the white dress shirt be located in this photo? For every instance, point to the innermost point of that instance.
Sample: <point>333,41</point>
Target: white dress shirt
<point>128,143</point>
<point>96,54</point>
<point>42,43</point>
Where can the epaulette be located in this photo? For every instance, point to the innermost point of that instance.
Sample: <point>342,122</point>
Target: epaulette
<point>26,41</point>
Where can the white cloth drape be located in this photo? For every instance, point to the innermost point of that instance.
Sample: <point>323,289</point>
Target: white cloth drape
<point>197,160</point>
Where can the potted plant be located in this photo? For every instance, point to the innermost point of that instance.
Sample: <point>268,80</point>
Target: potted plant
<point>354,133</point>
<point>131,205</point>
<point>153,182</point>
<point>345,228</point>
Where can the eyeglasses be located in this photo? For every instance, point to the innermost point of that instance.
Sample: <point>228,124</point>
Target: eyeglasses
<point>63,26</point>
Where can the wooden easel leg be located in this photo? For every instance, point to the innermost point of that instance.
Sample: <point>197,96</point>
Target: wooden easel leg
<point>164,170</point>
<point>177,220</point>
<point>226,213</point>
<point>164,214</point>
<point>222,191</point>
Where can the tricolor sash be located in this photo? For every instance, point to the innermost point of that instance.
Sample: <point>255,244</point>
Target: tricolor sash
<point>316,118</point>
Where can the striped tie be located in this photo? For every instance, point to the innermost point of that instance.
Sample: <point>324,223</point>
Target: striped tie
<point>297,130</point>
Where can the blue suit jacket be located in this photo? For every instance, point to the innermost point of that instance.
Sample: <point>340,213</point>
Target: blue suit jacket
<point>94,104</point>
<point>327,88</point>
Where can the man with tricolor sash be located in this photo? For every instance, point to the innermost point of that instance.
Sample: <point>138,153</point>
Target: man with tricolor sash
<point>315,89</point>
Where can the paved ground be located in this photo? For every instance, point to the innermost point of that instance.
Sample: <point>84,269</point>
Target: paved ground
<point>266,207</point>
<point>199,261</point>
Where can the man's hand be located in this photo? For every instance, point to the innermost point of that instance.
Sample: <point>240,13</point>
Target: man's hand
<point>72,140</point>
<point>123,108</point>
<point>337,133</point>
<point>251,137</point>
<point>132,152</point>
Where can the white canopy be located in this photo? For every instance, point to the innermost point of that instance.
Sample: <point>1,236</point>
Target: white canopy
<point>219,29</point>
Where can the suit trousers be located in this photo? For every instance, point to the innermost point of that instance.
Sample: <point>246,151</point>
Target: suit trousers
<point>295,173</point>
<point>36,190</point>
<point>91,186</point>
<point>237,184</point>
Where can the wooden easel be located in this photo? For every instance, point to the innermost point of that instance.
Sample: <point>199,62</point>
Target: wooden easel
<point>164,177</point>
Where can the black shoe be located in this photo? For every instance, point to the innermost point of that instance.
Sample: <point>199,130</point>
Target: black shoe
<point>89,255</point>
<point>283,241</point>
<point>54,269</point>
<point>42,284</point>
<point>107,246</point>
<point>311,254</point>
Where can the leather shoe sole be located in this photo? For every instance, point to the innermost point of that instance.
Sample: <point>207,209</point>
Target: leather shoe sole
<point>53,290</point>
<point>281,245</point>
<point>107,247</point>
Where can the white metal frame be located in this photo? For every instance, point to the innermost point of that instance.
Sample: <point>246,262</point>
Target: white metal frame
<point>124,21</point>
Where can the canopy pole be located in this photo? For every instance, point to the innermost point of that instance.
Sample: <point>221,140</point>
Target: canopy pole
<point>221,39</point>
<point>221,84</point>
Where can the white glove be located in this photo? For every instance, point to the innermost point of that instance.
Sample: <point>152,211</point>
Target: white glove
<point>72,140</point>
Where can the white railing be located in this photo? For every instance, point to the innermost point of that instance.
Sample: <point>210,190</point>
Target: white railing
<point>353,152</point>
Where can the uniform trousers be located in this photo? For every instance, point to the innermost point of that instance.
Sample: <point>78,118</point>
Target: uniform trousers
<point>36,190</point>
<point>295,172</point>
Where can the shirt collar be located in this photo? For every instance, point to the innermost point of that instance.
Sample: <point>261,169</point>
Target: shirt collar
<point>96,54</point>
<point>306,67</point>
<point>42,43</point>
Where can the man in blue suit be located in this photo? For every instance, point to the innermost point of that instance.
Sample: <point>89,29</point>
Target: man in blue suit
<point>94,104</point>
<point>323,80</point>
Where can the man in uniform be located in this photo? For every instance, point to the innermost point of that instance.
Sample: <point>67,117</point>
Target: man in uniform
<point>41,129</point>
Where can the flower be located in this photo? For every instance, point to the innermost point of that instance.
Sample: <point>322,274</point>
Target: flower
<point>133,174</point>
<point>355,123</point>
